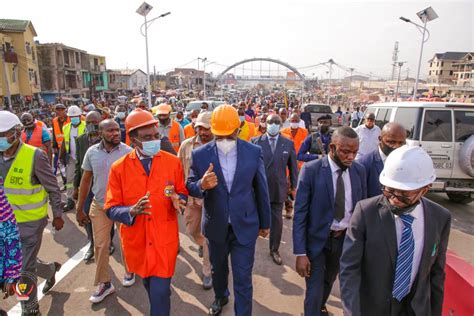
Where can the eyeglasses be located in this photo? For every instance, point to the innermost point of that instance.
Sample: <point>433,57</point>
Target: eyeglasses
<point>404,198</point>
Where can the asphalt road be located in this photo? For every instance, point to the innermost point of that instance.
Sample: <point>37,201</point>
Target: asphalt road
<point>278,290</point>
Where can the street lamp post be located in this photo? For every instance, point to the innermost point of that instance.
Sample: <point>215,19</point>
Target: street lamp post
<point>425,16</point>
<point>400,64</point>
<point>203,76</point>
<point>143,10</point>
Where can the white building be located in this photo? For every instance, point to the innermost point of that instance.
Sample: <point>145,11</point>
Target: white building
<point>130,79</point>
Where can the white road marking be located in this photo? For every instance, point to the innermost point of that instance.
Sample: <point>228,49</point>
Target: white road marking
<point>65,270</point>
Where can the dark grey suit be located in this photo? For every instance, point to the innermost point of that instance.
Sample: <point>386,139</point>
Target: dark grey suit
<point>369,256</point>
<point>275,167</point>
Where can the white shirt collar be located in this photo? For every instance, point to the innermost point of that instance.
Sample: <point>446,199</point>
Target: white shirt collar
<point>332,164</point>
<point>382,155</point>
<point>416,213</point>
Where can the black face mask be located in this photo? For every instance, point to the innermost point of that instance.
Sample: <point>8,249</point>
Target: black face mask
<point>164,121</point>
<point>337,160</point>
<point>399,210</point>
<point>386,149</point>
<point>92,128</point>
<point>324,129</point>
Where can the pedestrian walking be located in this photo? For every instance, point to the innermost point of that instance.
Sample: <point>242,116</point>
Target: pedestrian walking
<point>36,134</point>
<point>229,174</point>
<point>369,134</point>
<point>328,189</point>
<point>168,127</point>
<point>395,248</point>
<point>316,145</point>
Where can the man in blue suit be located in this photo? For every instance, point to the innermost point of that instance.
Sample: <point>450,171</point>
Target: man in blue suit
<point>229,175</point>
<point>393,136</point>
<point>278,155</point>
<point>328,190</point>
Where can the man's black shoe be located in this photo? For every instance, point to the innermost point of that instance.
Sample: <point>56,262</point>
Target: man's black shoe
<point>216,307</point>
<point>111,249</point>
<point>51,282</point>
<point>324,311</point>
<point>276,257</point>
<point>89,254</point>
<point>69,206</point>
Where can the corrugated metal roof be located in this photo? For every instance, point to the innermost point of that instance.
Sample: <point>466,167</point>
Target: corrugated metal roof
<point>454,55</point>
<point>10,25</point>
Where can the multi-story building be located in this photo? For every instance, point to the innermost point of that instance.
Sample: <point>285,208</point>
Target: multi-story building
<point>464,77</point>
<point>97,78</point>
<point>62,70</point>
<point>186,78</point>
<point>19,74</point>
<point>128,79</point>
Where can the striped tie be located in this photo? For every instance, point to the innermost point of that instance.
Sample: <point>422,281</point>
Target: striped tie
<point>401,285</point>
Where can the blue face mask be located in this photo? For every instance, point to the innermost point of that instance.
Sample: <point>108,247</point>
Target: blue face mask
<point>4,144</point>
<point>151,148</point>
<point>120,115</point>
<point>241,118</point>
<point>273,129</point>
<point>75,120</point>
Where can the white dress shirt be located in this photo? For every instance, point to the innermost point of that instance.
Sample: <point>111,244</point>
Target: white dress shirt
<point>368,139</point>
<point>418,228</point>
<point>344,223</point>
<point>382,155</point>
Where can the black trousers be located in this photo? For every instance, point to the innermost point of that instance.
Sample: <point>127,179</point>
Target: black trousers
<point>276,227</point>
<point>332,254</point>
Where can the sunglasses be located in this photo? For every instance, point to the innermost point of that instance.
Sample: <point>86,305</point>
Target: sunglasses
<point>278,122</point>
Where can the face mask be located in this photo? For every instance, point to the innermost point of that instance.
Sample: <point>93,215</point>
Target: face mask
<point>241,118</point>
<point>399,210</point>
<point>4,144</point>
<point>273,129</point>
<point>324,129</point>
<point>386,149</point>
<point>151,148</point>
<point>226,145</point>
<point>179,120</point>
<point>75,120</point>
<point>294,125</point>
<point>120,115</point>
<point>164,121</point>
<point>92,128</point>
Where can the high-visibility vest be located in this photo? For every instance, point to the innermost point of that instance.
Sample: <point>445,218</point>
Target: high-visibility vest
<point>29,201</point>
<point>58,132</point>
<point>36,139</point>
<point>174,135</point>
<point>189,131</point>
<point>67,132</point>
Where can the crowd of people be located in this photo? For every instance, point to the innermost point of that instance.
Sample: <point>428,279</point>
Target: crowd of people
<point>354,192</point>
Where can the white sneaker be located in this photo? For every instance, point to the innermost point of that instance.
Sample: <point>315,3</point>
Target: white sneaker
<point>103,290</point>
<point>128,279</point>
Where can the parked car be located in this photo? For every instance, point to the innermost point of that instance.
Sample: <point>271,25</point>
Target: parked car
<point>196,105</point>
<point>316,110</point>
<point>446,131</point>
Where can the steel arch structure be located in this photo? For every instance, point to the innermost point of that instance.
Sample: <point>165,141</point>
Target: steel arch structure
<point>276,61</point>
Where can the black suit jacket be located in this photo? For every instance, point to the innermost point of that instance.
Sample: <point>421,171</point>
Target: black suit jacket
<point>369,256</point>
<point>276,164</point>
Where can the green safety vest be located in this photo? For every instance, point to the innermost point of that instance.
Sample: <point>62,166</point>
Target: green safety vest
<point>29,201</point>
<point>67,133</point>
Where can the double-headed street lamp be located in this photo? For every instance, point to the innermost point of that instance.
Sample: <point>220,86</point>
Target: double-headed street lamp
<point>143,10</point>
<point>425,15</point>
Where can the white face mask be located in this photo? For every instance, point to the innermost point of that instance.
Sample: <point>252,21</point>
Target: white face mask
<point>294,125</point>
<point>226,145</point>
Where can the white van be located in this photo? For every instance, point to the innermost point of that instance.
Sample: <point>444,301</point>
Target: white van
<point>446,131</point>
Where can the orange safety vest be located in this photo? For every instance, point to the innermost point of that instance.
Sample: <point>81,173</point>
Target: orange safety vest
<point>150,245</point>
<point>58,131</point>
<point>251,130</point>
<point>189,131</point>
<point>298,140</point>
<point>36,139</point>
<point>174,135</point>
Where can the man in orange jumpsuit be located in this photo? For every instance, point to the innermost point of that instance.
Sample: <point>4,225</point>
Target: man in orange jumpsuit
<point>145,190</point>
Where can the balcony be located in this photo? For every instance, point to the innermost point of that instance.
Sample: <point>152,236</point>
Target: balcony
<point>11,57</point>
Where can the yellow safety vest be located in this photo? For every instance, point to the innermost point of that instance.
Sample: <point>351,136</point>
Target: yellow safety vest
<point>29,201</point>
<point>67,133</point>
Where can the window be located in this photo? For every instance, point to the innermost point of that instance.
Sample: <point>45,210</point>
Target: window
<point>66,58</point>
<point>451,73</point>
<point>78,58</point>
<point>430,73</point>
<point>33,54</point>
<point>437,126</point>
<point>464,126</point>
<point>28,48</point>
<point>442,63</point>
<point>31,74</point>
<point>14,73</point>
<point>431,64</point>
<point>382,117</point>
<point>407,117</point>
<point>440,72</point>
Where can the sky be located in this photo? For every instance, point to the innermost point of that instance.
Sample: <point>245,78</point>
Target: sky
<point>358,34</point>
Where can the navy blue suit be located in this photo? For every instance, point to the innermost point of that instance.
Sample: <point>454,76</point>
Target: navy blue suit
<point>304,153</point>
<point>373,166</point>
<point>276,164</point>
<point>232,218</point>
<point>314,214</point>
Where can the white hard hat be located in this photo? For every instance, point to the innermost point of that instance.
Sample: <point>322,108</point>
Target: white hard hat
<point>74,110</point>
<point>8,120</point>
<point>408,168</point>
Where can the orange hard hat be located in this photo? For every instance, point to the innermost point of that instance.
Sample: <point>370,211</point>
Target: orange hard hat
<point>224,120</point>
<point>139,118</point>
<point>163,108</point>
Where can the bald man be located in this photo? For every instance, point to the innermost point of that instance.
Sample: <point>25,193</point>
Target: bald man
<point>392,136</point>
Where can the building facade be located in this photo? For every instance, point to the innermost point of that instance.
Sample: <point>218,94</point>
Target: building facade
<point>19,73</point>
<point>128,79</point>
<point>464,77</point>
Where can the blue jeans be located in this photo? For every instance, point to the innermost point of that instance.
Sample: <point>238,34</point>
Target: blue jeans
<point>159,294</point>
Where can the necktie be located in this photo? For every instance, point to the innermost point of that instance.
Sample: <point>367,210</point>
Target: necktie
<point>401,285</point>
<point>340,201</point>
<point>272,144</point>
<point>146,162</point>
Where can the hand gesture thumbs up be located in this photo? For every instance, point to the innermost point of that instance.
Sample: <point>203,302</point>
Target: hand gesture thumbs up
<point>209,180</point>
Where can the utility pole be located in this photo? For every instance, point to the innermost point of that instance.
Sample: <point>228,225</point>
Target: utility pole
<point>350,80</point>
<point>400,64</point>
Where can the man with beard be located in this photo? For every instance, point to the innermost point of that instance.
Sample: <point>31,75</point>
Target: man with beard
<point>168,127</point>
<point>97,163</point>
<point>36,134</point>
<point>395,249</point>
<point>316,145</point>
<point>328,189</point>
<point>392,137</point>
